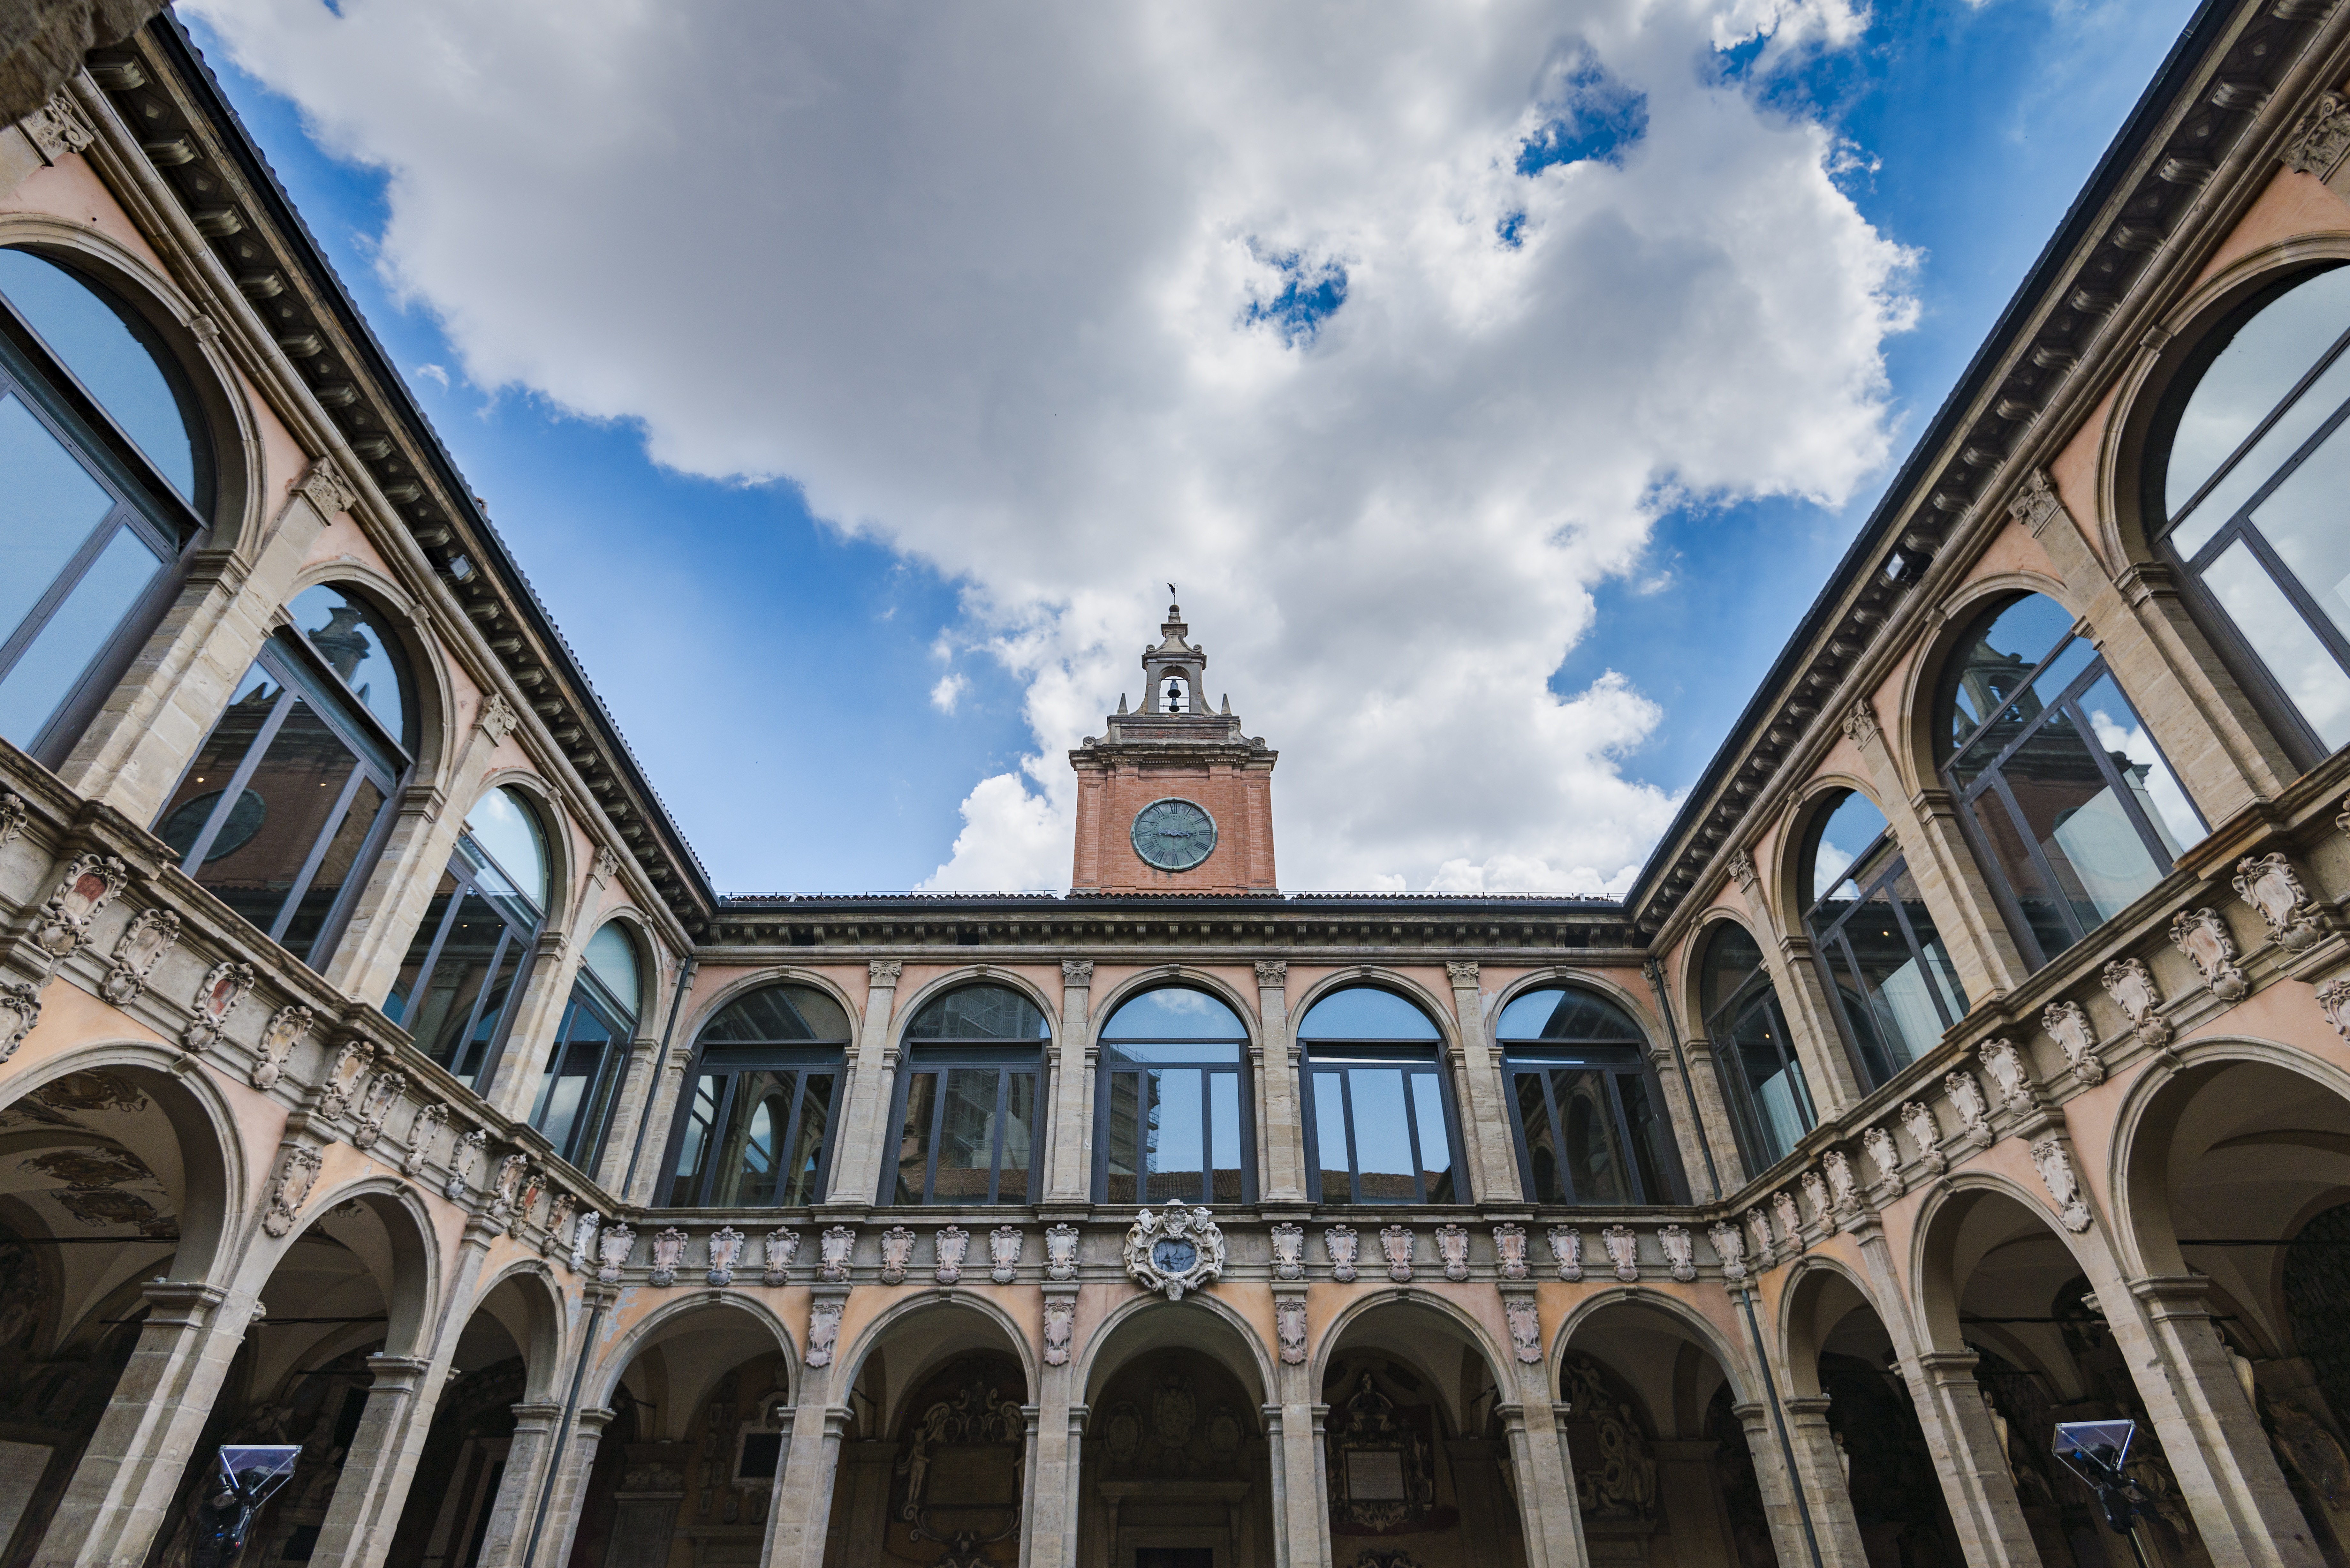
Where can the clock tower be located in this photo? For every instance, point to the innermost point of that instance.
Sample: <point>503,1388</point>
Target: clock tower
<point>1174,798</point>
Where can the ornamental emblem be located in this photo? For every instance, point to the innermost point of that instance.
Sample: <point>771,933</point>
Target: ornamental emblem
<point>1567,1251</point>
<point>1510,1249</point>
<point>1343,1246</point>
<point>1177,1251</point>
<point>1289,1322</point>
<point>2204,938</point>
<point>1452,1246</point>
<point>1004,1254</point>
<point>1397,1243</point>
<point>2131,985</point>
<point>1288,1253</point>
<point>2068,1025</point>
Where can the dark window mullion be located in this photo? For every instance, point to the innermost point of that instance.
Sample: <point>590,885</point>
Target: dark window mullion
<point>326,836</point>
<point>788,1148</point>
<point>481,999</point>
<point>68,576</point>
<point>2277,411</point>
<point>1347,1109</point>
<point>996,1134</point>
<point>1934,984</point>
<point>1640,1193</point>
<point>239,778</point>
<point>2030,841</point>
<point>722,1122</point>
<point>1558,1138</point>
<point>2010,905</point>
<point>2289,582</point>
<point>938,1134</point>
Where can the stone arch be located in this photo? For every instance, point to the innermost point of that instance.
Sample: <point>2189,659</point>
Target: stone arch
<point>664,1323</point>
<point>554,821</point>
<point>545,1339</point>
<point>1735,1360</point>
<point>1813,1282</point>
<point>1691,983</point>
<point>1449,1029</point>
<point>1642,1008</point>
<point>1802,818</point>
<point>1175,977</point>
<point>975,974</point>
<point>1911,738</point>
<point>438,740</point>
<point>1472,1332</point>
<point>1933,1291</point>
<point>408,1275</point>
<point>749,981</point>
<point>1001,1333</point>
<point>1096,1364</point>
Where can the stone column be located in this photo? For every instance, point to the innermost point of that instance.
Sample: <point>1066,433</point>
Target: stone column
<point>528,1457</point>
<point>1301,1486</point>
<point>1048,1536</point>
<point>1283,1134</point>
<point>1976,1481</point>
<point>1686,1496</point>
<point>802,1518</point>
<point>635,1099</point>
<point>1547,1508</point>
<point>374,1480</point>
<point>1705,1070</point>
<point>563,1510</point>
<point>522,1061</point>
<point>867,1469</point>
<point>857,1173</point>
<point>1484,1100</point>
<point>1821,1470</point>
<point>1068,1178</point>
<point>121,1488</point>
<point>1780,1505</point>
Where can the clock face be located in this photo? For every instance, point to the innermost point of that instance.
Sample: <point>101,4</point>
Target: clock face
<point>1174,1256</point>
<point>1173,834</point>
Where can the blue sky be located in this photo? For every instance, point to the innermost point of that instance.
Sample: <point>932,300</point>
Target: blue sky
<point>828,694</point>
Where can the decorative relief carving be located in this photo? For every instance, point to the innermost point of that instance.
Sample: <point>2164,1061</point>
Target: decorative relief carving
<point>1974,1111</point>
<point>2036,502</point>
<point>1815,1194</point>
<point>423,1132</point>
<point>1340,1244</point>
<point>343,1079</point>
<point>1758,1226</point>
<point>1288,1251</point>
<point>1061,1253</point>
<point>151,934</point>
<point>2010,1074</point>
<point>1397,1243</point>
<point>667,1252</point>
<point>1741,870</point>
<point>1524,1318</point>
<point>1681,1252</point>
<point>607,865</point>
<point>1883,1156</point>
<point>897,1254</point>
<point>327,488</point>
<point>296,1171</point>
<point>884,972</point>
<point>1060,1328</point>
<point>1510,1250</point>
<point>2206,940</point>
<point>2131,985</point>
<point>1860,722</point>
<point>556,1238</point>
<point>20,1009</point>
<point>1289,1323</point>
<point>1788,1222</point>
<point>1623,1250</point>
<point>1730,1246</point>
<point>584,1239</point>
<point>782,1249</point>
<point>459,1187</point>
<point>833,1249</point>
<point>2272,888</point>
<point>1176,1251</point>
<point>505,1191</point>
<point>58,128</point>
<point>2067,1023</point>
<point>13,815</point>
<point>2318,142</point>
<point>1614,1469</point>
<point>226,986</point>
<point>2056,1173</point>
<point>1271,973</point>
<point>824,1332</point>
<point>1844,1187</point>
<point>278,1037</point>
<point>1004,1244</point>
<point>383,1092</point>
<point>725,1251</point>
<point>1918,1117</point>
<point>950,1244</point>
<point>1453,1247</point>
<point>1463,974</point>
<point>2333,999</point>
<point>612,1249</point>
<point>1567,1251</point>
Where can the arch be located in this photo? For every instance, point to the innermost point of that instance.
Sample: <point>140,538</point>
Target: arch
<point>908,1008</point>
<point>1171,976</point>
<point>663,1324</point>
<point>1934,1291</point>
<point>1918,753</point>
<point>1733,1360</point>
<point>937,1350</point>
<point>1690,984</point>
<point>556,838</point>
<point>1806,815</point>
<point>546,1344</point>
<point>427,661</point>
<point>1439,1010</point>
<point>1797,1334</point>
<point>1094,1364</point>
<point>1641,1009</point>
<point>412,1286</point>
<point>1497,1360</point>
<point>756,980</point>
<point>629,935</point>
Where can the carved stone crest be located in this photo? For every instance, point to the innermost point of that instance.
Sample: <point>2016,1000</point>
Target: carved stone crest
<point>1815,1194</point>
<point>278,1037</point>
<point>1289,1325</point>
<point>461,1164</point>
<point>1974,1111</point>
<point>1883,1157</point>
<point>506,1190</point>
<point>1061,1251</point>
<point>1860,722</point>
<point>290,1187</point>
<point>1567,1251</point>
<point>584,1241</point>
<point>90,882</point>
<point>557,1236</point>
<point>216,1001</point>
<point>833,1249</point>
<point>897,1254</point>
<point>20,1009</point>
<point>1741,870</point>
<point>1288,1251</point>
<point>2333,1000</point>
<point>725,1251</point>
<point>2055,1168</point>
<point>1524,1319</point>
<point>2067,1023</point>
<point>2010,1074</point>
<point>2318,142</point>
<point>2272,887</point>
<point>1918,1117</point>
<point>1397,1243</point>
<point>782,1248</point>
<point>58,128</point>
<point>950,1244</point>
<point>1175,1251</point>
<point>498,718</point>
<point>2036,502</point>
<point>1789,1223</point>
<point>423,1132</point>
<point>1060,1328</point>
<point>1342,1245</point>
<point>1452,1246</point>
<point>1730,1246</point>
<point>13,816</point>
<point>2131,985</point>
<point>2206,940</point>
<point>383,1092</point>
<point>151,934</point>
<point>667,1252</point>
<point>1844,1187</point>
<point>343,1079</point>
<point>1004,1244</point>
<point>1623,1250</point>
<point>824,1331</point>
<point>1681,1252</point>
<point>1758,1226</point>
<point>1510,1250</point>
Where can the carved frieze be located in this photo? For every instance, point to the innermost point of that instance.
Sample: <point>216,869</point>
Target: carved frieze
<point>12,818</point>
<point>505,1190</point>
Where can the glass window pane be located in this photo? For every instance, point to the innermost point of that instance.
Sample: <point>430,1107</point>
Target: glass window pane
<point>94,338</point>
<point>1121,1149</point>
<point>1365,1013</point>
<point>1730,959</point>
<point>495,997</point>
<point>1193,1051</point>
<point>1173,1013</point>
<point>1435,1144</point>
<point>570,1082</point>
<point>1382,1138</point>
<point>1989,676</point>
<point>356,642</point>
<point>288,805</point>
<point>443,1004</point>
<point>2313,680</point>
<point>966,1136</point>
<point>82,625</point>
<point>613,958</point>
<point>1594,1160</point>
<point>334,870</point>
<point>2124,740</point>
<point>979,1012</point>
<point>1330,1137</point>
<point>1172,1134</point>
<point>1931,953</point>
<point>1908,1022</point>
<point>183,816</point>
<point>2268,354</point>
<point>914,1137</point>
<point>2042,910</point>
<point>701,1115</point>
<point>2307,524</point>
<point>47,509</point>
<point>403,985</point>
<point>1225,1152</point>
<point>1877,1057</point>
<point>781,1014</point>
<point>1774,1082</point>
<point>2091,845</point>
<point>502,825</point>
<point>750,1159</point>
<point>1562,1014</point>
<point>1533,1126</point>
<point>1651,1137</point>
<point>804,1165</point>
<point>2259,465</point>
<point>1851,827</point>
<point>1019,1138</point>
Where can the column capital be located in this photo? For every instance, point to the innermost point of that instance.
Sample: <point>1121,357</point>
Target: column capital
<point>398,1371</point>
<point>1078,975</point>
<point>537,1416</point>
<point>1463,974</point>
<point>1948,1365</point>
<point>1803,1405</point>
<point>593,1421</point>
<point>2175,1292</point>
<point>1272,974</point>
<point>883,973</point>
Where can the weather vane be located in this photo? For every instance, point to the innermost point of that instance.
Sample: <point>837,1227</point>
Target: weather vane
<point>1171,593</point>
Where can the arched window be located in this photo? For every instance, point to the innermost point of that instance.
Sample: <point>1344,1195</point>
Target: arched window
<point>105,478</point>
<point>757,1131</point>
<point>289,798</point>
<point>2249,465</point>
<point>1878,953</point>
<point>1768,1097</point>
<point>967,1100</point>
<point>591,1048</point>
<point>1591,1128</point>
<point>472,954</point>
<point>2064,794</point>
<point>1175,1114</point>
<point>1380,1128</point>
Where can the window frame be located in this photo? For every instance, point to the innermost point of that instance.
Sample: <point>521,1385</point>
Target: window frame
<point>1613,1058</point>
<point>1833,937</point>
<point>737,1058</point>
<point>493,1050</point>
<point>1105,1070</point>
<point>1756,993</point>
<point>1006,1058</point>
<point>1338,1056</point>
<point>603,1097</point>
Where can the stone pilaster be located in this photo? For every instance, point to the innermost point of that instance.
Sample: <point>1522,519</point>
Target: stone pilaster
<point>1547,1509</point>
<point>1976,1481</point>
<point>1817,1042</point>
<point>530,1451</point>
<point>1069,1178</point>
<point>1276,1064</point>
<point>1484,1101</point>
<point>871,1077</point>
<point>1295,1432</point>
<point>1820,1467</point>
<point>1048,1537</point>
<point>563,1510</point>
<point>374,1480</point>
<point>1706,1068</point>
<point>1782,1508</point>
<point>802,1518</point>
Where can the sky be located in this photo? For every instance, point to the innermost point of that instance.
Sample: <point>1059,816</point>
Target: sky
<point>1498,384</point>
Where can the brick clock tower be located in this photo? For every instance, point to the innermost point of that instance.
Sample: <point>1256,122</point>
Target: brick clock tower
<point>1174,799</point>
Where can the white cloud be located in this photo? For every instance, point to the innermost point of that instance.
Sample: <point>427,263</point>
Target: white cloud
<point>980,278</point>
<point>949,692</point>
